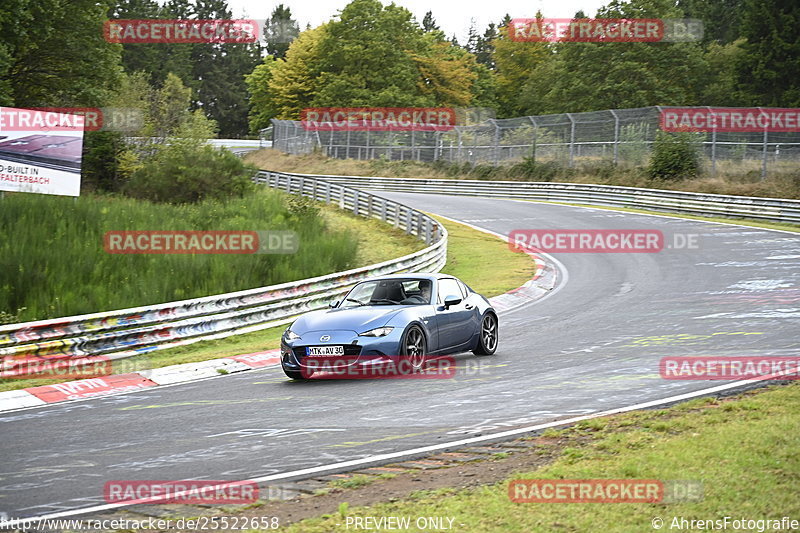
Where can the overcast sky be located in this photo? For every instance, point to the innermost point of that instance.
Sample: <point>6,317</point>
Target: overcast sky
<point>453,16</point>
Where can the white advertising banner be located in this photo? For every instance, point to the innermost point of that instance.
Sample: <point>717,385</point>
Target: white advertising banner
<point>40,151</point>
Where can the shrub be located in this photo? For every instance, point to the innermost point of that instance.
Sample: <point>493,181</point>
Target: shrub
<point>188,171</point>
<point>675,156</point>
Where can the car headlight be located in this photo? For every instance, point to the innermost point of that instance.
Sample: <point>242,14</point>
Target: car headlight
<point>377,332</point>
<point>290,335</point>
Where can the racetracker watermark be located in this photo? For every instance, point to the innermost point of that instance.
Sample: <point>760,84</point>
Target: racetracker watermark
<point>729,368</point>
<point>139,31</point>
<point>184,492</point>
<point>612,30</point>
<point>45,119</point>
<point>604,491</point>
<point>586,241</point>
<point>377,367</point>
<point>731,119</point>
<point>378,118</point>
<point>69,368</point>
<point>201,242</point>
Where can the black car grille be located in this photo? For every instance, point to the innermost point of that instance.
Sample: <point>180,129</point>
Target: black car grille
<point>349,349</point>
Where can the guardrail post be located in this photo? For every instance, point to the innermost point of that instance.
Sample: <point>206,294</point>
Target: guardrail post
<point>427,231</point>
<point>408,221</point>
<point>355,202</point>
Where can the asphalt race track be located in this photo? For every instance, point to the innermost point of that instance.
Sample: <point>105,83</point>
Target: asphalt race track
<point>593,344</point>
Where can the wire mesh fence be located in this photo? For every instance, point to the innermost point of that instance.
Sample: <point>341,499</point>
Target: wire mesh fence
<point>619,136</point>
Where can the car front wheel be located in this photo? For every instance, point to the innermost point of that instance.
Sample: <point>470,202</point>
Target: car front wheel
<point>413,347</point>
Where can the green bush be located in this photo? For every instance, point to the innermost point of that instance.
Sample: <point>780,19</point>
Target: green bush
<point>675,156</point>
<point>530,169</point>
<point>100,163</point>
<point>187,171</point>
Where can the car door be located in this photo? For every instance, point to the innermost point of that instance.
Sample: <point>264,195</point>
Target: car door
<point>456,324</point>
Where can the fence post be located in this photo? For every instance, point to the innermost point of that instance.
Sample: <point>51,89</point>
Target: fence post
<point>535,132</point>
<point>616,136</point>
<point>571,140</point>
<point>764,152</point>
<point>475,147</point>
<point>458,157</point>
<point>496,141</point>
<point>347,156</point>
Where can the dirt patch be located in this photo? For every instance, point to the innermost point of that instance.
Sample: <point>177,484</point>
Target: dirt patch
<point>529,455</point>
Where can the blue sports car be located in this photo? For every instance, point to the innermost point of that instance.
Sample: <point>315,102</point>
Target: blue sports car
<point>407,315</point>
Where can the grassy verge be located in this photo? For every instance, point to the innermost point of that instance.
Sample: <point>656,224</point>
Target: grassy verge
<point>53,261</point>
<point>743,451</point>
<point>482,261</point>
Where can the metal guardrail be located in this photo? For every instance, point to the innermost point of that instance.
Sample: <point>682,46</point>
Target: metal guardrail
<point>765,209</point>
<point>128,332</point>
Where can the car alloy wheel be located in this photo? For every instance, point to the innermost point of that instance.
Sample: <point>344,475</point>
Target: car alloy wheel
<point>414,347</point>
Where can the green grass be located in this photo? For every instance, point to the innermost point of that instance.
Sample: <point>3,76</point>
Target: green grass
<point>483,261</point>
<point>744,451</point>
<point>53,263</point>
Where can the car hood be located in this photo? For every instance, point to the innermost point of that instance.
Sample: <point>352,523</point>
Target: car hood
<point>358,319</point>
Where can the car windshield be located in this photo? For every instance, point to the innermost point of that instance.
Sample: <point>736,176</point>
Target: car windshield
<point>389,292</point>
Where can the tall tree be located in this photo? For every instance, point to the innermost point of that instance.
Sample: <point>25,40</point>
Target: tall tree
<point>373,56</point>
<point>366,60</point>
<point>514,63</point>
<point>262,103</point>
<point>429,23</point>
<point>52,53</point>
<point>769,70</point>
<point>485,50</point>
<point>279,31</point>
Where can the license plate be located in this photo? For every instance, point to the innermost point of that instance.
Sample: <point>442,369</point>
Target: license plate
<point>324,351</point>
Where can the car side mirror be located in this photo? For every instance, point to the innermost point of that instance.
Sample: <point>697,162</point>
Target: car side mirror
<point>334,304</point>
<point>451,300</point>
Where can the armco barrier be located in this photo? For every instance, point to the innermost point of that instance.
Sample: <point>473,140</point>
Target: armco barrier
<point>766,209</point>
<point>128,332</point>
